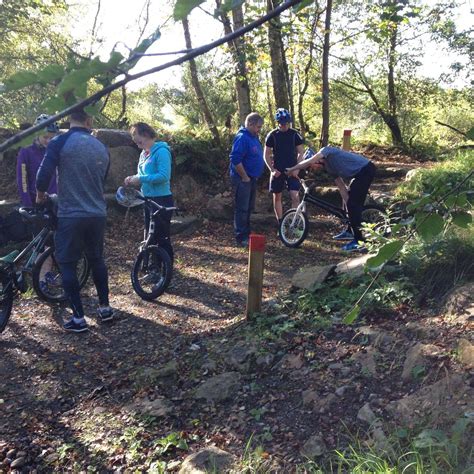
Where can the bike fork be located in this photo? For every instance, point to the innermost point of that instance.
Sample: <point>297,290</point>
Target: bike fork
<point>299,211</point>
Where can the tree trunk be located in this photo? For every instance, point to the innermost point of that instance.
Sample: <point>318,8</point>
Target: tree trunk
<point>237,48</point>
<point>392,118</point>
<point>278,61</point>
<point>208,118</point>
<point>325,76</point>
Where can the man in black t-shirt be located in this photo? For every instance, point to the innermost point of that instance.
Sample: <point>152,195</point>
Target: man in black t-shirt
<point>283,149</point>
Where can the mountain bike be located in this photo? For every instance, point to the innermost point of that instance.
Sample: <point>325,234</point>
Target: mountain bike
<point>36,259</point>
<point>152,270</point>
<point>294,225</point>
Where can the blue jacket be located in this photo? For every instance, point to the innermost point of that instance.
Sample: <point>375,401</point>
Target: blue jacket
<point>154,170</point>
<point>247,150</point>
<point>82,162</point>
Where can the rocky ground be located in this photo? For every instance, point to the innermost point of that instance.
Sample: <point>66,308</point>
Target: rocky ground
<point>172,383</point>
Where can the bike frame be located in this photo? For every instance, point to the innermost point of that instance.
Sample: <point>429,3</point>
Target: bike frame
<point>35,247</point>
<point>318,202</point>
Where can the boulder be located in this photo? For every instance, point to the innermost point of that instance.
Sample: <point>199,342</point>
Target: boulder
<point>220,207</point>
<point>160,407</point>
<point>188,193</point>
<point>314,447</point>
<point>352,267</point>
<point>206,460</point>
<point>439,403</point>
<point>184,224</point>
<point>308,277</point>
<point>114,138</point>
<point>219,388</point>
<point>466,353</point>
<point>459,305</point>
<point>123,163</point>
<point>416,357</point>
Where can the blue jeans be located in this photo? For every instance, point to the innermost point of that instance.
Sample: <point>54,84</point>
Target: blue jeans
<point>244,202</point>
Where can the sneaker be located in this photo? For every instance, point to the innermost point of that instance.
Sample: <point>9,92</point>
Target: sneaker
<point>74,326</point>
<point>105,314</point>
<point>353,246</point>
<point>243,243</point>
<point>345,235</point>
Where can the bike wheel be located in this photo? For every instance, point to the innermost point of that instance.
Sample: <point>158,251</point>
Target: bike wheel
<point>49,288</point>
<point>151,272</point>
<point>293,228</point>
<point>6,298</point>
<point>377,220</point>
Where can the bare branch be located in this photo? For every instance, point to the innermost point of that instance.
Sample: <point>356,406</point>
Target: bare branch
<point>452,128</point>
<point>94,26</point>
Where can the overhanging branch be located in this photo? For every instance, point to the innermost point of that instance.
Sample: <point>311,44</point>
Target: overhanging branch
<point>106,90</point>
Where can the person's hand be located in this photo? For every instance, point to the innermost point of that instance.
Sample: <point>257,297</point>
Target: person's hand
<point>289,171</point>
<point>276,173</point>
<point>294,174</point>
<point>132,181</point>
<point>246,180</point>
<point>41,197</point>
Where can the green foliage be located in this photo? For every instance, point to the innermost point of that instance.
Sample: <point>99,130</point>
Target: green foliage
<point>435,451</point>
<point>172,441</point>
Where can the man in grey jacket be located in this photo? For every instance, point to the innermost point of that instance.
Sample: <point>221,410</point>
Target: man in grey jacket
<point>82,162</point>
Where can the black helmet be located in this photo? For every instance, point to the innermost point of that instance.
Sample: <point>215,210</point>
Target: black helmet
<point>282,116</point>
<point>52,127</point>
<point>128,197</point>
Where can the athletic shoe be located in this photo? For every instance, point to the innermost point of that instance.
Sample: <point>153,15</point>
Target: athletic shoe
<point>73,326</point>
<point>344,235</point>
<point>105,314</point>
<point>243,243</point>
<point>353,246</point>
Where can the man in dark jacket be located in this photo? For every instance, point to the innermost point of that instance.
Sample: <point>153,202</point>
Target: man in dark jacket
<point>82,162</point>
<point>246,166</point>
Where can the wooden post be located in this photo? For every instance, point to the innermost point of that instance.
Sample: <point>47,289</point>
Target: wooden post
<point>255,283</point>
<point>346,140</point>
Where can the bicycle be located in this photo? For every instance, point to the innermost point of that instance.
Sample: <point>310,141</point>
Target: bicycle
<point>152,269</point>
<point>39,260</point>
<point>294,225</point>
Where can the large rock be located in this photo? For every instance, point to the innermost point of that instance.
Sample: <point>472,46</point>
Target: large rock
<point>220,207</point>
<point>352,267</point>
<point>459,305</point>
<point>416,358</point>
<point>219,388</point>
<point>439,403</point>
<point>307,278</point>
<point>160,407</point>
<point>123,163</point>
<point>188,193</point>
<point>466,353</point>
<point>114,138</point>
<point>210,459</point>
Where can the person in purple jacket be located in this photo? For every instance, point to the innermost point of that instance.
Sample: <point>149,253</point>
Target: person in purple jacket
<point>28,162</point>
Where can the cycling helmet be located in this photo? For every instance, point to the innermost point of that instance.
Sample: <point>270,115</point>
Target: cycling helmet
<point>128,197</point>
<point>283,116</point>
<point>52,127</point>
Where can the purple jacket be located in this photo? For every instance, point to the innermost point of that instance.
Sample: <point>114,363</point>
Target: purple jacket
<point>27,164</point>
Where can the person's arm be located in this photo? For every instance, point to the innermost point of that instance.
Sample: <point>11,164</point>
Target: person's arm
<point>342,189</point>
<point>239,150</point>
<point>268,157</point>
<point>22,178</point>
<point>46,170</point>
<point>314,160</point>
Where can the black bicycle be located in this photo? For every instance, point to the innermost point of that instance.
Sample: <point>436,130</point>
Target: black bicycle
<point>294,225</point>
<point>37,260</point>
<point>152,270</point>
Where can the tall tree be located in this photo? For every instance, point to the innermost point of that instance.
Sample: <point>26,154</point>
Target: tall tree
<point>206,112</point>
<point>325,76</point>
<point>278,59</point>
<point>237,48</point>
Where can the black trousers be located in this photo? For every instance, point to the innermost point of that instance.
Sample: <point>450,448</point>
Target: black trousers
<point>358,190</point>
<point>162,225</point>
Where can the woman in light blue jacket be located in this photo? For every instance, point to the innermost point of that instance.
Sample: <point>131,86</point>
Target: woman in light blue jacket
<point>153,175</point>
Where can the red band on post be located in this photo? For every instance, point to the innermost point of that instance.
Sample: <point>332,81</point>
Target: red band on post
<point>257,242</point>
<point>347,133</point>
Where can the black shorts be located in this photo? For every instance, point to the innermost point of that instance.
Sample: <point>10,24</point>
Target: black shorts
<point>278,184</point>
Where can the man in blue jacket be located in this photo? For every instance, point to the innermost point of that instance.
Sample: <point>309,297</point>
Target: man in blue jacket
<point>246,166</point>
<point>82,162</point>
